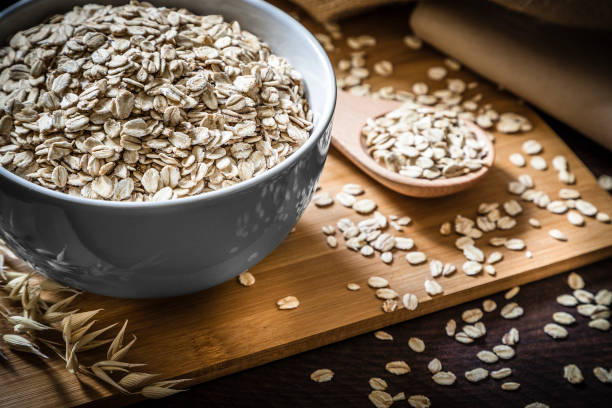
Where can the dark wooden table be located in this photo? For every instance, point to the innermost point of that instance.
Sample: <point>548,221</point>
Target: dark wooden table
<point>538,365</point>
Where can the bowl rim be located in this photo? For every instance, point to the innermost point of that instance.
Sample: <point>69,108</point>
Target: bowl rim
<point>316,133</point>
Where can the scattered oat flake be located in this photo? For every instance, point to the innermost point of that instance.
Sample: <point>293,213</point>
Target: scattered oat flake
<point>489,305</point>
<point>451,327</point>
<point>575,281</point>
<point>346,199</point>
<point>557,234</point>
<point>322,375</point>
<point>383,335</point>
<point>383,68</point>
<point>603,375</point>
<point>471,268</point>
<point>444,378</point>
<point>603,297</point>
<point>397,367</point>
<point>477,374</point>
<point>416,257</point>
<point>386,293</point>
<point>535,223</point>
<point>487,356</point>
<point>567,300</point>
<point>464,338</point>
<point>572,374</point>
<point>434,366</point>
<point>445,228</point>
<point>538,163</point>
<point>452,64</point>
<point>289,302</point>
<point>563,318</point>
<point>323,199</point>
<point>510,386</point>
<point>377,282</point>
<point>436,73</point>
<point>386,257</point>
<point>419,401</point>
<point>511,311</point>
<point>332,242</point>
<point>433,288</point>
<point>364,206</point>
<point>400,396</point>
<point>504,351</point>
<point>501,373</point>
<point>602,217</point>
<point>328,230</point>
<point>472,315</point>
<point>575,218</point>
<point>600,324</point>
<point>389,305</point>
<point>246,278</point>
<point>380,399</point>
<point>517,159</point>
<point>410,301</point>
<point>555,331</point>
<point>353,189</point>
<point>378,384</point>
<point>413,42</point>
<point>494,257</point>
<point>515,244</point>
<point>417,345</point>
<point>353,286</point>
<point>512,292</point>
<point>605,181</point>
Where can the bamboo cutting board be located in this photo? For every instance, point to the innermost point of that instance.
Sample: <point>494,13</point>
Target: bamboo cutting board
<point>231,328</point>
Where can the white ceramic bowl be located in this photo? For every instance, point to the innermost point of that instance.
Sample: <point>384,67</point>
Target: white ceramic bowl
<point>170,248</point>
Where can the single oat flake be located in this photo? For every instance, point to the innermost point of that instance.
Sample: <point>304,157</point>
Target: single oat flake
<point>322,375</point>
<point>397,367</point>
<point>410,301</point>
<point>572,374</point>
<point>489,305</point>
<point>383,335</point>
<point>246,278</point>
<point>419,401</point>
<point>501,373</point>
<point>434,366</point>
<point>476,375</point>
<point>378,384</point>
<point>417,345</point>
<point>377,282</point>
<point>380,399</point>
<point>286,303</point>
<point>444,378</point>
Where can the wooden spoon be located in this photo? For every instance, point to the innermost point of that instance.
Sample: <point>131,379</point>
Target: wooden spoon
<point>352,112</point>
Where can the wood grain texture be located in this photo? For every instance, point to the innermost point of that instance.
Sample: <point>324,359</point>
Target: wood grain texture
<point>232,328</point>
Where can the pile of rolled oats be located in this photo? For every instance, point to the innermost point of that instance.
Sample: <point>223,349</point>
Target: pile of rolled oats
<point>141,103</point>
<point>423,142</point>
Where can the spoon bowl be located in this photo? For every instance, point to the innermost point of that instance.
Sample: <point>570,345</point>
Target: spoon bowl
<point>346,137</point>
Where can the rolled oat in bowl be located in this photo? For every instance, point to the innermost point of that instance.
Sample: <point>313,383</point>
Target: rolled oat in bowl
<point>140,103</point>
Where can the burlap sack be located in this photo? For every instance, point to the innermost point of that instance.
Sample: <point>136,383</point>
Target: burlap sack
<point>596,14</point>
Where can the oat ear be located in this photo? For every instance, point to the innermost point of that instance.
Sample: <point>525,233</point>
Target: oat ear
<point>117,342</point>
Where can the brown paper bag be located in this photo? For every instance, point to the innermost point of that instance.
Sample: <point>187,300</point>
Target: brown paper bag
<point>565,72</point>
